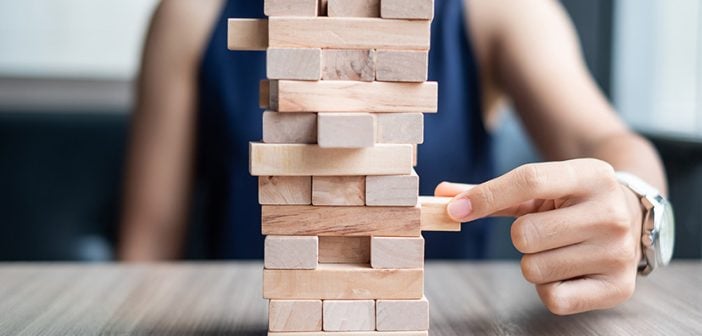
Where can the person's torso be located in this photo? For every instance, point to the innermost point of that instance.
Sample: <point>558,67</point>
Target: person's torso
<point>456,145</point>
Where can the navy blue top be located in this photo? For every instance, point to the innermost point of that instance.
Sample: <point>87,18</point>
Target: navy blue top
<point>456,146</point>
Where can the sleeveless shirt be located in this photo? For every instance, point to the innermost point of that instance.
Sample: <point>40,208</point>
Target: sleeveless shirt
<point>456,145</point>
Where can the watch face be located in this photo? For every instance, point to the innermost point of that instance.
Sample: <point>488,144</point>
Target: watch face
<point>666,232</point>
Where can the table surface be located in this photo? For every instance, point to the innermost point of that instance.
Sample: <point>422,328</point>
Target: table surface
<point>225,299</point>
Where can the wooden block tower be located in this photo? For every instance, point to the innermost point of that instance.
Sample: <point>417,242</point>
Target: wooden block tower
<point>346,89</point>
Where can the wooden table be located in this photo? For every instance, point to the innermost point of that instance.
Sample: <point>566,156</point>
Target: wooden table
<point>225,298</point>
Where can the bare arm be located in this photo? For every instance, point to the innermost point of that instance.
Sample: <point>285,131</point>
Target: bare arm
<point>159,162</point>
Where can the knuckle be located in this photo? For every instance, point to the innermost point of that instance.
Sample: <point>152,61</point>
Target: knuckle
<point>556,303</point>
<point>622,256</point>
<point>521,233</point>
<point>531,177</point>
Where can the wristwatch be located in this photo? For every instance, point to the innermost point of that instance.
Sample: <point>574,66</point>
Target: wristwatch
<point>658,228</point>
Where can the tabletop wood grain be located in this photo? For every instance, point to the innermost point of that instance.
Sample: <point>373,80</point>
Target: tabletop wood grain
<point>225,299</point>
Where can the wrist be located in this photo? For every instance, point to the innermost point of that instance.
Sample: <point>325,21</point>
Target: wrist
<point>637,210</point>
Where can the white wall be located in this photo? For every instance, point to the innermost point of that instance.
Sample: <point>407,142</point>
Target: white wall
<point>94,39</point>
<point>657,65</point>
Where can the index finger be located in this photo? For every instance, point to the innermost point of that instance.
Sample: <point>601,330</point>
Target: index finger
<point>550,180</point>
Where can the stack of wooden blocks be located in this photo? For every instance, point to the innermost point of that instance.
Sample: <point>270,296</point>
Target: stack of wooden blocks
<point>346,89</point>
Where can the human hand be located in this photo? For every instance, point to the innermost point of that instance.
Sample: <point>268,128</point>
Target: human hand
<point>578,228</point>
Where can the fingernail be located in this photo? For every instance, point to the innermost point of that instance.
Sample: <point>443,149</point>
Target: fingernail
<point>460,208</point>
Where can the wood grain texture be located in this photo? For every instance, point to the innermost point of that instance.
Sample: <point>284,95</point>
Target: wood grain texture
<point>287,253</point>
<point>295,315</point>
<point>339,190</point>
<point>348,64</point>
<point>344,250</point>
<point>345,130</point>
<point>407,9</point>
<point>301,220</point>
<point>349,315</point>
<point>399,128</point>
<point>434,216</point>
<point>401,65</point>
<point>353,96</point>
<point>397,252</point>
<point>353,8</point>
<point>247,34</point>
<point>222,298</point>
<point>402,315</point>
<point>348,33</point>
<point>392,190</point>
<point>294,63</point>
<point>312,160</point>
<point>343,282</point>
<point>352,333</point>
<point>290,7</point>
<point>289,190</point>
<point>289,128</point>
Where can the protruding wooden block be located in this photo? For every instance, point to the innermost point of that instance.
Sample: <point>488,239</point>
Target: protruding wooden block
<point>289,253</point>
<point>344,250</point>
<point>295,315</point>
<point>353,96</point>
<point>290,7</point>
<point>301,220</point>
<point>289,128</point>
<point>397,252</point>
<point>434,216</point>
<point>351,333</point>
<point>312,160</point>
<point>401,66</point>
<point>339,190</point>
<point>407,9</point>
<point>247,34</point>
<point>344,282</point>
<point>288,190</point>
<point>392,190</point>
<point>348,64</point>
<point>402,315</point>
<point>345,130</point>
<point>348,315</point>
<point>264,95</point>
<point>354,8</point>
<point>399,128</point>
<point>294,63</point>
<point>348,33</point>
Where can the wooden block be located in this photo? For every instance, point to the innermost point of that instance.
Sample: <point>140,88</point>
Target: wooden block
<point>311,160</point>
<point>434,216</point>
<point>407,9</point>
<point>290,7</point>
<point>294,63</point>
<point>343,282</point>
<point>399,128</point>
<point>345,130</point>
<point>348,64</point>
<point>392,190</point>
<point>401,315</point>
<point>339,190</point>
<point>348,315</point>
<point>301,220</point>
<point>348,33</point>
<point>354,8</point>
<point>264,95</point>
<point>289,253</point>
<point>295,315</point>
<point>352,333</point>
<point>290,128</point>
<point>401,66</point>
<point>415,155</point>
<point>344,250</point>
<point>353,96</point>
<point>247,34</point>
<point>397,252</point>
<point>290,190</point>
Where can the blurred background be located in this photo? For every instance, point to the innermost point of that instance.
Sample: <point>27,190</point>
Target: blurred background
<point>66,96</point>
